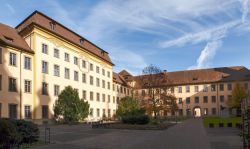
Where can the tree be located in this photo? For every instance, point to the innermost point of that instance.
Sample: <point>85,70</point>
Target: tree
<point>155,84</point>
<point>69,107</point>
<point>238,94</point>
<point>127,106</point>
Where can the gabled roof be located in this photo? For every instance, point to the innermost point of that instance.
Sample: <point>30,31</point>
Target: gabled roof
<point>9,36</point>
<point>41,20</point>
<point>119,79</point>
<point>200,76</point>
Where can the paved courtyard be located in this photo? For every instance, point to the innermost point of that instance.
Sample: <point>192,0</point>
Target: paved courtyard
<point>187,135</point>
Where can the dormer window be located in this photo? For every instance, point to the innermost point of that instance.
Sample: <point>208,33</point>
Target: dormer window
<point>102,52</point>
<point>9,39</point>
<point>81,41</point>
<point>52,25</point>
<point>195,78</point>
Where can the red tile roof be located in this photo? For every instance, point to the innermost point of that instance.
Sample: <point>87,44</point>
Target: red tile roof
<point>9,36</point>
<point>43,21</point>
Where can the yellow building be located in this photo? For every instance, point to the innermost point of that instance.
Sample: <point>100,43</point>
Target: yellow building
<point>39,58</point>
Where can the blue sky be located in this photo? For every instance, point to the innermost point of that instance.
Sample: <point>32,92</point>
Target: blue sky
<point>172,34</point>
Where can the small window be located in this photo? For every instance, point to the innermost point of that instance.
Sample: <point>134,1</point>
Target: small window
<point>66,73</point>
<point>84,94</point>
<point>213,88</point>
<point>52,25</point>
<point>44,88</point>
<point>12,59</point>
<point>12,85</point>
<point>179,89</point>
<point>83,78</point>
<point>97,82</point>
<point>108,85</point>
<point>81,41</point>
<point>196,89</point>
<point>180,101</point>
<point>12,111</point>
<point>221,98</point>
<point>56,70</point>
<point>27,112</point>
<point>83,64</point>
<point>205,88</point>
<point>108,98</point>
<point>205,111</point>
<point>213,99</point>
<point>27,86</point>
<point>97,96</point>
<point>188,100</point>
<point>91,96</point>
<point>221,87</point>
<point>91,80</point>
<point>97,69</point>
<point>56,90</point>
<point>75,60</point>
<point>91,112</point>
<point>45,111</point>
<point>44,67</point>
<point>91,67</point>
<point>66,57</point>
<point>44,48</point>
<point>196,99</point>
<point>76,77</point>
<point>103,72</point>
<point>56,53</point>
<point>108,72</point>
<point>213,111</point>
<point>98,112</point>
<point>27,63</point>
<point>103,83</point>
<point>205,99</point>
<point>187,89</point>
<point>103,98</point>
<point>229,86</point>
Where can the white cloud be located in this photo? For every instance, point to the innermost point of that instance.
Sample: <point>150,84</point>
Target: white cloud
<point>245,6</point>
<point>12,10</point>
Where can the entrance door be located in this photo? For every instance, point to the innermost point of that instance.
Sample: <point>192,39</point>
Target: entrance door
<point>197,112</point>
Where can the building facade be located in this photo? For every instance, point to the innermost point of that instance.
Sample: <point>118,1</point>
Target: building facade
<point>39,58</point>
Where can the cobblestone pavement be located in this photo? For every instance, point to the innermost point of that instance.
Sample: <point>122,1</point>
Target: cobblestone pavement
<point>187,135</point>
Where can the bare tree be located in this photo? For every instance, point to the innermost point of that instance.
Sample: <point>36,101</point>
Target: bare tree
<point>154,97</point>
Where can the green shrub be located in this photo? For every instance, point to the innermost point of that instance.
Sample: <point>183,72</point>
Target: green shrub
<point>13,133</point>
<point>135,119</point>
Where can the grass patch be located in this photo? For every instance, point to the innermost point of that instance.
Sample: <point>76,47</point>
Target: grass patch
<point>225,120</point>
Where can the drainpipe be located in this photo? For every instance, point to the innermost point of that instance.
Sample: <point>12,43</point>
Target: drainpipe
<point>217,98</point>
<point>20,84</point>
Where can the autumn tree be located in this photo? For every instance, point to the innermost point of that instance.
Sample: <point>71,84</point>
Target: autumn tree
<point>155,97</point>
<point>238,94</point>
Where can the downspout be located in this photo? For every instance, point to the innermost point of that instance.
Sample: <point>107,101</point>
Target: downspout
<point>217,94</point>
<point>20,84</point>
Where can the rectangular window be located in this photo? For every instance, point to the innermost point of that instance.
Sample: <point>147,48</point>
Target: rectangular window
<point>27,86</point>
<point>27,63</point>
<point>103,72</point>
<point>45,67</point>
<point>103,84</point>
<point>12,111</point>
<point>91,112</point>
<point>1,55</point>
<point>12,59</point>
<point>91,95</point>
<point>221,87</point>
<point>103,97</point>
<point>213,88</point>
<point>205,111</point>
<point>113,99</point>
<point>196,99</point>
<point>76,77</point>
<point>66,57</point>
<point>108,85</point>
<point>188,112</point>
<point>108,98</point>
<point>56,70</point>
<point>45,112</point>
<point>66,73</point>
<point>179,89</point>
<point>75,60</point>
<point>213,111</point>
<point>180,101</point>
<point>91,80</point>
<point>27,112</point>
<point>56,53</point>
<point>108,73</point>
<point>187,89</point>
<point>109,113</point>
<point>188,100</point>
<point>83,78</point>
<point>83,64</point>
<point>98,112</point>
<point>97,69</point>
<point>91,67</point>
<point>196,88</point>
<point>12,85</point>
<point>97,82</point>
<point>103,113</point>
<point>44,48</point>
<point>56,90</point>
<point>180,111</point>
<point>205,88</point>
<point>0,82</point>
<point>221,98</point>
<point>229,86</point>
<point>97,97</point>
<point>84,94</point>
<point>44,88</point>
<point>213,99</point>
<point>205,99</point>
